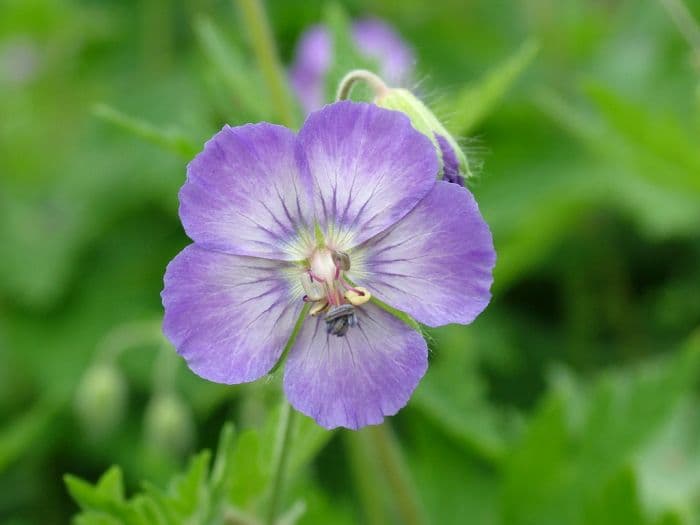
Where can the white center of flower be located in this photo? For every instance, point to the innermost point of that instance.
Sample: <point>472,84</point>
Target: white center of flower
<point>326,286</point>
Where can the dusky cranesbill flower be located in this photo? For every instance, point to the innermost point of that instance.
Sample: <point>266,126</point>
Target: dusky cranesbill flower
<point>347,209</point>
<point>373,38</point>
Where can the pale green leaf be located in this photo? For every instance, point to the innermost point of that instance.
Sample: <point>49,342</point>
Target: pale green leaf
<point>171,139</point>
<point>477,101</point>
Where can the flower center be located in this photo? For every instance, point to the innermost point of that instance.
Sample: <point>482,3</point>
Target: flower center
<point>326,286</point>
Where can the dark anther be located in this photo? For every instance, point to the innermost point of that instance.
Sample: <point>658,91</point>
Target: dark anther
<point>341,260</point>
<point>339,319</point>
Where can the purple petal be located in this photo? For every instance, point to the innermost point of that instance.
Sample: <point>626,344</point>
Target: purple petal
<point>450,163</point>
<point>436,264</point>
<point>370,167</point>
<point>380,42</point>
<point>311,62</point>
<point>228,316</point>
<point>245,194</point>
<point>357,379</point>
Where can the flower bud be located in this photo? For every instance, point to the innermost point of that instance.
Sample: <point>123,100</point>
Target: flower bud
<point>100,399</point>
<point>168,424</point>
<point>455,166</point>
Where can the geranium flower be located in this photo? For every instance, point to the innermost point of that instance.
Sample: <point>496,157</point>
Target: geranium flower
<point>347,209</point>
<point>373,38</point>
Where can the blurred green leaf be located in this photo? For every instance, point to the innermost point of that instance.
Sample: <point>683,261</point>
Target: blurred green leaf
<point>669,466</point>
<point>235,485</point>
<point>307,440</point>
<point>187,499</point>
<point>651,136</point>
<point>618,502</point>
<point>476,101</point>
<point>345,56</point>
<point>661,195</point>
<point>248,476</point>
<point>107,496</point>
<point>247,100</point>
<point>563,462</point>
<point>452,395</point>
<point>22,434</point>
<point>454,485</point>
<point>171,139</point>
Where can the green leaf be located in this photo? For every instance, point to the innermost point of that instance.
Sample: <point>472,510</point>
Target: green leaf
<point>462,413</point>
<point>658,193</point>
<point>23,432</point>
<point>575,445</point>
<point>249,473</point>
<point>111,485</point>
<point>106,496</point>
<point>669,467</point>
<point>465,486</point>
<point>651,134</point>
<point>618,502</point>
<point>190,491</point>
<point>247,99</point>
<point>171,139</point>
<point>476,101</point>
<point>307,441</point>
<point>95,518</point>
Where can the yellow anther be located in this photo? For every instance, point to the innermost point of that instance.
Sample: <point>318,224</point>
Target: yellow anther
<point>318,307</point>
<point>358,296</point>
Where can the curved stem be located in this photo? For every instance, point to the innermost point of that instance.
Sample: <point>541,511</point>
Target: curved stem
<point>349,80</point>
<point>284,440</point>
<point>129,335</point>
<point>266,53</point>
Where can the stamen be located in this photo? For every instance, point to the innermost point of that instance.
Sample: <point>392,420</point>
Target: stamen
<point>339,319</point>
<point>341,260</point>
<point>318,308</point>
<point>358,296</point>
<point>314,291</point>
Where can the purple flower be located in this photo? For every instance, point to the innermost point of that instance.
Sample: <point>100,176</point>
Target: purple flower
<point>347,209</point>
<point>373,38</point>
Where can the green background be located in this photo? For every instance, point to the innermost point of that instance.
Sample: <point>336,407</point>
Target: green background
<point>572,400</point>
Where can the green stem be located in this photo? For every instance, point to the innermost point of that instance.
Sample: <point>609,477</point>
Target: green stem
<point>396,472</point>
<point>284,440</point>
<point>129,335</point>
<point>367,475</point>
<point>265,51</point>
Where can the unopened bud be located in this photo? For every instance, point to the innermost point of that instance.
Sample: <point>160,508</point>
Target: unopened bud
<point>100,400</point>
<point>455,166</point>
<point>168,424</point>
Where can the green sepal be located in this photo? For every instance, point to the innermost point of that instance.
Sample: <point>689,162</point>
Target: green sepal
<point>423,120</point>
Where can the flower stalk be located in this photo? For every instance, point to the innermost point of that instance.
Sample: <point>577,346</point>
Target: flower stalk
<point>360,75</point>
<point>397,476</point>
<point>281,458</point>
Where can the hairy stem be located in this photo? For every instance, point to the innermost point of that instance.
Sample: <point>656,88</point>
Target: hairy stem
<point>263,44</point>
<point>279,467</point>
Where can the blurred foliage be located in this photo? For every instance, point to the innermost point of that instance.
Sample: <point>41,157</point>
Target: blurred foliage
<point>572,400</point>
